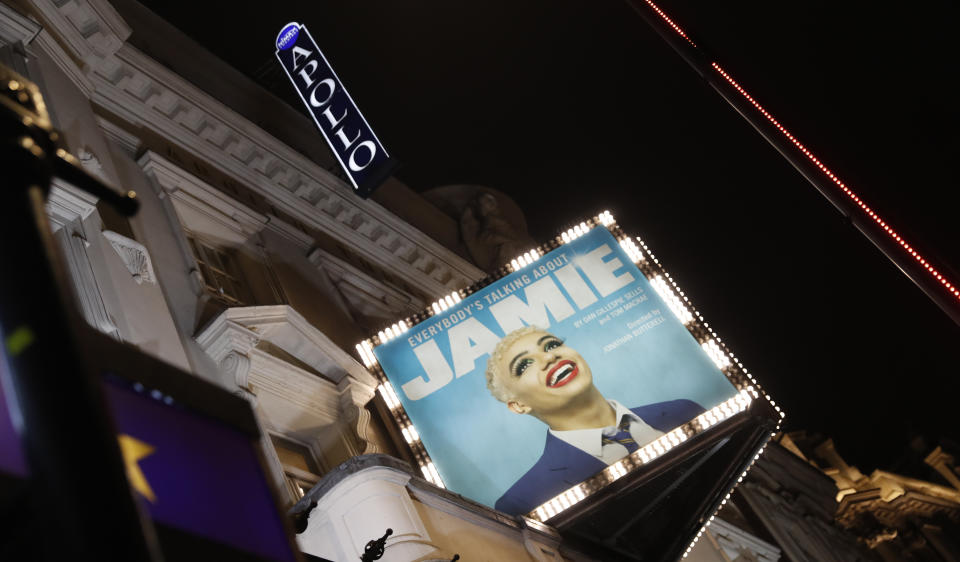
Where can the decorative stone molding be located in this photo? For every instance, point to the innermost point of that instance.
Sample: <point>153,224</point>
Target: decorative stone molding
<point>356,501</point>
<point>287,329</point>
<point>364,293</point>
<point>795,501</point>
<point>229,344</point>
<point>139,90</point>
<point>16,27</point>
<point>67,208</point>
<point>290,399</point>
<point>354,416</point>
<point>127,142</point>
<point>478,514</point>
<point>300,392</point>
<point>90,162</point>
<point>186,189</point>
<point>944,464</point>
<point>238,365</point>
<point>289,232</point>
<point>737,544</point>
<point>134,256</point>
<point>66,204</point>
<point>90,29</point>
<point>358,507</point>
<point>144,93</point>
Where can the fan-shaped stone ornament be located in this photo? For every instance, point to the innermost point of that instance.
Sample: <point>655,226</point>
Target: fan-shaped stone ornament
<point>134,256</point>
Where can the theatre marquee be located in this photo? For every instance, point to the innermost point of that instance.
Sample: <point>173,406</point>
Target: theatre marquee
<point>575,366</point>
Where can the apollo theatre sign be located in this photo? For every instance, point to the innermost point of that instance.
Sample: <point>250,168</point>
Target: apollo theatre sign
<point>360,153</point>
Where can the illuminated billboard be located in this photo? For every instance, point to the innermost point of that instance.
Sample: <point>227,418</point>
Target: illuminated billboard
<point>580,362</point>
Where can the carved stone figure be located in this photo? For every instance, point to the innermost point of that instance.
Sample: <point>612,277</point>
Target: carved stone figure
<point>492,227</point>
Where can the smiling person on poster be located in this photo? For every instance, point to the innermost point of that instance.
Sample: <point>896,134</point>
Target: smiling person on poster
<point>533,372</point>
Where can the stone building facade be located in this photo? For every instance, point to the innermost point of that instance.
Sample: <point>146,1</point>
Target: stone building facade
<point>896,517</point>
<point>253,266</point>
<point>248,264</point>
<point>803,497</point>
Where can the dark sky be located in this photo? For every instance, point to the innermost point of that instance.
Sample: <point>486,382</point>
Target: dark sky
<point>572,107</point>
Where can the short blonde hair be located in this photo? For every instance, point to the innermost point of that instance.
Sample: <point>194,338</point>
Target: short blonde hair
<point>493,363</point>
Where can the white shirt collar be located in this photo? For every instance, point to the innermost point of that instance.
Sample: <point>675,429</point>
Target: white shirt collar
<point>591,440</point>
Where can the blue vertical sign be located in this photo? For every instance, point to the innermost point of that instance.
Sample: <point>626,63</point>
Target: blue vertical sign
<point>359,151</point>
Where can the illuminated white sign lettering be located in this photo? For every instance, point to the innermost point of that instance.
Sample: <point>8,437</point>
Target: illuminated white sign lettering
<point>361,155</point>
<point>527,301</point>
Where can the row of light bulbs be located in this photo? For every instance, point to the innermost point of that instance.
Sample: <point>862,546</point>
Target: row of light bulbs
<point>572,234</point>
<point>525,259</point>
<point>646,454</point>
<point>668,290</point>
<point>673,301</point>
<point>727,497</point>
<point>393,331</point>
<point>446,302</point>
<point>931,270</point>
<point>716,354</point>
<point>630,247</point>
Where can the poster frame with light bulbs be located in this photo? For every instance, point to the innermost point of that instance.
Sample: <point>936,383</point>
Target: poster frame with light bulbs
<point>649,312</point>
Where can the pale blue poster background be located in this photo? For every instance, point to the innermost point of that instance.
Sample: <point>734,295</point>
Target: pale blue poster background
<point>638,351</point>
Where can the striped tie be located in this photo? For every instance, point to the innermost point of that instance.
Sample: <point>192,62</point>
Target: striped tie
<point>622,436</point>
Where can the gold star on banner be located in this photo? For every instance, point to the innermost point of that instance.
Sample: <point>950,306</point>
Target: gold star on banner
<point>133,451</point>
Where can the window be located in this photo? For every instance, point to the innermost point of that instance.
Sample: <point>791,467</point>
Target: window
<point>299,465</point>
<point>220,272</point>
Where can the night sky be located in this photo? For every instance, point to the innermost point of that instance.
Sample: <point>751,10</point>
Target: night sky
<point>572,107</point>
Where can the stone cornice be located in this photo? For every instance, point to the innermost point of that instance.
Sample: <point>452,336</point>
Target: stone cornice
<point>371,466</point>
<point>188,189</point>
<point>294,385</point>
<point>90,30</point>
<point>288,231</point>
<point>141,91</point>
<point>758,547</point>
<point>66,203</point>
<point>16,27</point>
<point>468,510</point>
<point>222,337</point>
<point>880,477</point>
<point>286,328</point>
<point>233,346</point>
<point>392,300</point>
<point>48,44</point>
<point>129,143</point>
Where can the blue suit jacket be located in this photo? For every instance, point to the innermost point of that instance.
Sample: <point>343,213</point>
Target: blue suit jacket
<point>562,465</point>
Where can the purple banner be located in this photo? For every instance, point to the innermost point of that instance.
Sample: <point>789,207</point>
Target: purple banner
<point>203,476</point>
<point>192,472</point>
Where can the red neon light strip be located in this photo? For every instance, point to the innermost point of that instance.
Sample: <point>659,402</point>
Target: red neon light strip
<point>670,22</point>
<point>856,199</point>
